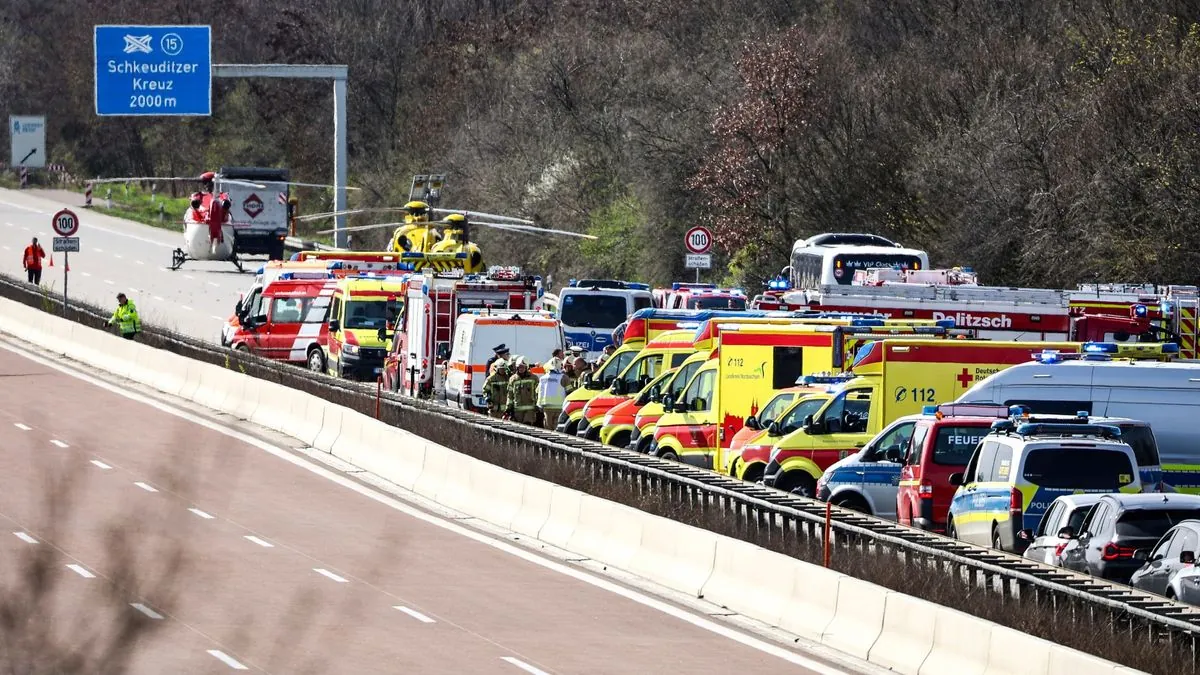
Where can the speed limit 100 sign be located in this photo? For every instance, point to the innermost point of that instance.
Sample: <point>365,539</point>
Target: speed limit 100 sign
<point>65,223</point>
<point>698,240</point>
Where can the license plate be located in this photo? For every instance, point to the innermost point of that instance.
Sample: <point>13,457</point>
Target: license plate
<point>379,371</point>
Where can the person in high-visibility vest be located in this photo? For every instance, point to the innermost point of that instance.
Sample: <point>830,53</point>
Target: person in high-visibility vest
<point>552,391</point>
<point>126,317</point>
<point>522,394</point>
<point>31,260</point>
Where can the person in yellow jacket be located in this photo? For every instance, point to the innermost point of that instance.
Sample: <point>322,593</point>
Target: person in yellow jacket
<point>496,389</point>
<point>523,394</point>
<point>126,317</point>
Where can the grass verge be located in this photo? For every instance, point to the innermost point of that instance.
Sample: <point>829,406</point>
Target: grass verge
<point>140,203</point>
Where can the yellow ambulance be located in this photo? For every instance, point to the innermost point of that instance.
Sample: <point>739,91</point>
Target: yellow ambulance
<point>360,324</point>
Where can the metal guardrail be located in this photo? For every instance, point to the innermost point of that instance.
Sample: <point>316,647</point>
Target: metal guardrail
<point>760,514</point>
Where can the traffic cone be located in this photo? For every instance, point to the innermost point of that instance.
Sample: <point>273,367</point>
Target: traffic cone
<point>52,260</point>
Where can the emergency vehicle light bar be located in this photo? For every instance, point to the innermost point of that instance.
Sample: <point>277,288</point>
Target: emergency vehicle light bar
<point>681,285</point>
<point>967,410</point>
<point>808,380</point>
<point>779,284</point>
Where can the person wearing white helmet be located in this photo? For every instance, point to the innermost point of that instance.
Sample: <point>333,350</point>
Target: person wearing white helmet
<point>495,388</point>
<point>552,391</point>
<point>522,394</point>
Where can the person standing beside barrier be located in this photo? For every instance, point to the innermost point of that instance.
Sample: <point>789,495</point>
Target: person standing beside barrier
<point>495,388</point>
<point>126,317</point>
<point>522,394</point>
<point>31,260</point>
<point>552,392</point>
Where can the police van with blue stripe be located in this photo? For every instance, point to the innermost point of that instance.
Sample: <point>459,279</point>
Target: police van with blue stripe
<point>590,309</point>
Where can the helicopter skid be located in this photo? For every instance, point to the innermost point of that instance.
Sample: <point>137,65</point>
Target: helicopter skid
<point>179,257</point>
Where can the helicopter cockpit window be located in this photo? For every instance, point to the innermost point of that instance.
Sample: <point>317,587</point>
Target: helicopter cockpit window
<point>365,314</point>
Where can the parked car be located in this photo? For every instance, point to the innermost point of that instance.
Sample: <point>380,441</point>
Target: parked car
<point>1170,567</point>
<point>1120,524</point>
<point>1059,527</point>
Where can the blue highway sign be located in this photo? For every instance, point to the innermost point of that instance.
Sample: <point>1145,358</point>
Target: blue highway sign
<point>153,70</point>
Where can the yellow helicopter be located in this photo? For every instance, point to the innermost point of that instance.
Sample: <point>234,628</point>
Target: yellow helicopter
<point>418,239</point>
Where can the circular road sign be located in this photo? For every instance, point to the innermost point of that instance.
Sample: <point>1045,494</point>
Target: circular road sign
<point>698,240</point>
<point>65,223</point>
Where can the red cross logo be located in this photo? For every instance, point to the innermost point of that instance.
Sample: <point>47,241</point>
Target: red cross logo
<point>964,378</point>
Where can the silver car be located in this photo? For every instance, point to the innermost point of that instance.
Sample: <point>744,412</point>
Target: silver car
<point>1170,567</point>
<point>1059,527</point>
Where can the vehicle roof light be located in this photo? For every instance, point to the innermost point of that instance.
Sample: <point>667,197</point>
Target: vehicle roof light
<point>929,410</point>
<point>1048,356</point>
<point>1099,348</point>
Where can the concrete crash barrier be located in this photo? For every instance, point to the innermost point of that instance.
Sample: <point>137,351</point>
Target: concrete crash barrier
<point>905,634</point>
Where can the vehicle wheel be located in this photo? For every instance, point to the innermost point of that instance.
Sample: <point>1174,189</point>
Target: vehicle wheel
<point>852,502</point>
<point>799,483</point>
<point>754,472</point>
<point>619,439</point>
<point>241,347</point>
<point>593,434</point>
<point>668,455</point>
<point>950,530</point>
<point>643,445</point>
<point>996,538</point>
<point>316,360</point>
<point>572,428</point>
<point>1171,594</point>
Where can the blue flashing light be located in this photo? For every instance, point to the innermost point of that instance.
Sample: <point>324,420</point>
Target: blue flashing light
<point>637,286</point>
<point>867,322</point>
<point>809,380</point>
<point>1019,410</point>
<point>1170,348</point>
<point>573,283</point>
<point>1004,426</point>
<point>1141,311</point>
<point>779,284</point>
<point>944,323</point>
<point>1048,356</point>
<point>261,269</point>
<point>1100,348</point>
<point>1043,429</point>
<point>1082,414</point>
<point>929,410</point>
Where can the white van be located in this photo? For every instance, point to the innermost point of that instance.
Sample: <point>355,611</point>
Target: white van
<point>1165,395</point>
<point>534,335</point>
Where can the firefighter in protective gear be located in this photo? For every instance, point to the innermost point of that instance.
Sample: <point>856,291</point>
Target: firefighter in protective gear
<point>126,317</point>
<point>551,393</point>
<point>522,394</point>
<point>496,389</point>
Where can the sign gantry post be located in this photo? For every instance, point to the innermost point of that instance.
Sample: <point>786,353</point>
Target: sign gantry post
<point>65,224</point>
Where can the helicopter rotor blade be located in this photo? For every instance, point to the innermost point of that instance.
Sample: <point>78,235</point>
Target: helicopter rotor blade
<point>231,181</point>
<point>359,228</point>
<point>530,229</point>
<point>134,179</point>
<point>348,212</point>
<point>480,214</point>
<point>318,185</point>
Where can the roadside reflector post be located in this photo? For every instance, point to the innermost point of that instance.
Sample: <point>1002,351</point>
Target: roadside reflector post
<point>108,196</point>
<point>378,393</point>
<point>162,212</point>
<point>828,527</point>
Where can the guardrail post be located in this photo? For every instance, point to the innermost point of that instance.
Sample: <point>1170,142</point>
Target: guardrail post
<point>828,527</point>
<point>378,393</point>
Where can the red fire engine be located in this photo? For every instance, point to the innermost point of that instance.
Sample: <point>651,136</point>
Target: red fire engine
<point>433,303</point>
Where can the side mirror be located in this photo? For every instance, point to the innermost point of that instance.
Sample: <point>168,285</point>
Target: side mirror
<point>443,351</point>
<point>334,325</point>
<point>773,429</point>
<point>587,380</point>
<point>956,478</point>
<point>382,334</point>
<point>1143,555</point>
<point>1067,532</point>
<point>680,407</point>
<point>667,401</point>
<point>619,387</point>
<point>1027,535</point>
<point>1187,557</point>
<point>752,423</point>
<point>894,454</point>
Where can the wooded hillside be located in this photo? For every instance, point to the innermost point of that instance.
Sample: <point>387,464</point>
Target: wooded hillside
<point>1044,143</point>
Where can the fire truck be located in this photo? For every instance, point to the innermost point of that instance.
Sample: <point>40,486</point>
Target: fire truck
<point>433,303</point>
<point>997,313</point>
<point>1171,311</point>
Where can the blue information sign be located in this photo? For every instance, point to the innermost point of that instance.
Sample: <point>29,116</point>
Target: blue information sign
<point>153,70</point>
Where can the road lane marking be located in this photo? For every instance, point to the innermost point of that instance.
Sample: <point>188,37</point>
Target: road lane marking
<point>78,569</point>
<point>140,262</point>
<point>214,285</point>
<point>331,575</point>
<point>18,206</point>
<point>22,427</point>
<point>24,228</point>
<point>201,514</point>
<point>226,659</point>
<point>691,617</point>
<point>60,444</point>
<point>25,538</point>
<point>87,274</point>
<point>260,542</point>
<point>145,487</point>
<point>159,298</point>
<point>145,610</point>
<point>117,255</point>
<point>110,283</point>
<point>98,250</point>
<point>523,666</point>
<point>214,316</point>
<point>100,464</point>
<point>7,248</point>
<point>188,276</point>
<point>414,614</point>
<point>185,307</point>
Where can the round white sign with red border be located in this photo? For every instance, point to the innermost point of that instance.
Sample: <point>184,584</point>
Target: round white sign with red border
<point>65,223</point>
<point>698,240</point>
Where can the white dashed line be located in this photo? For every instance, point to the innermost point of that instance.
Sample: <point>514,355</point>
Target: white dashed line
<point>117,255</point>
<point>22,427</point>
<point>260,542</point>
<point>100,464</point>
<point>201,514</point>
<point>144,486</point>
<point>214,285</point>
<point>78,569</point>
<point>24,228</point>
<point>331,575</point>
<point>523,666</point>
<point>98,250</point>
<point>10,224</point>
<point>214,316</point>
<point>7,248</point>
<point>159,298</point>
<point>185,307</point>
<point>140,262</point>
<point>87,274</point>
<point>60,444</point>
<point>145,610</point>
<point>110,283</point>
<point>188,276</point>
<point>226,659</point>
<point>25,538</point>
<point>414,614</point>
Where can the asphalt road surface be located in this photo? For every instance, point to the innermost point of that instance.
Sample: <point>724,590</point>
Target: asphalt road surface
<point>119,255</point>
<point>132,532</point>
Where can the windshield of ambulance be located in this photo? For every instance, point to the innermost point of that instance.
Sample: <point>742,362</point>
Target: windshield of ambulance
<point>593,310</point>
<point>365,314</point>
<point>1078,469</point>
<point>646,366</point>
<point>955,444</point>
<point>794,419</point>
<point>845,265</point>
<point>776,406</point>
<point>717,302</point>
